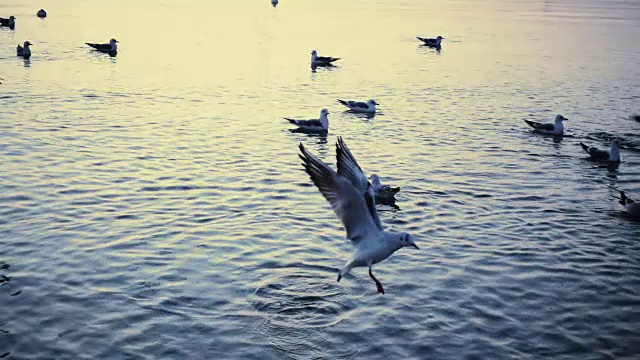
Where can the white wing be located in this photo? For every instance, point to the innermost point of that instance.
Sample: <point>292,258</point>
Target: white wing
<point>346,201</point>
<point>349,168</point>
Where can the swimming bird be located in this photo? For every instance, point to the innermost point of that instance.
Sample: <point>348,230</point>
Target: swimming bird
<point>24,52</point>
<point>383,193</point>
<point>434,43</point>
<point>636,117</point>
<point>632,207</point>
<point>111,48</point>
<point>360,107</point>
<point>321,60</point>
<point>548,128</point>
<point>351,197</point>
<point>321,124</point>
<point>274,3</point>
<point>10,22</point>
<point>41,13</point>
<point>612,156</point>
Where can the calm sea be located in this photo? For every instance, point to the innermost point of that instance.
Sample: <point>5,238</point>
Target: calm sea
<point>152,205</point>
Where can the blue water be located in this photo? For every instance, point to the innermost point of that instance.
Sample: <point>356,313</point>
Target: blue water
<point>152,205</point>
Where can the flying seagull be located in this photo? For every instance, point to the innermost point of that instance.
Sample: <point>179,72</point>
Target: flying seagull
<point>434,43</point>
<point>383,193</point>
<point>316,125</point>
<point>24,52</point>
<point>368,107</point>
<point>111,48</point>
<point>351,197</point>
<point>548,128</point>
<point>612,156</point>
<point>321,60</point>
<point>10,22</point>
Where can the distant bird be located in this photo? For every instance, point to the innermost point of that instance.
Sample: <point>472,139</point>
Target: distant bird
<point>10,22</point>
<point>383,193</point>
<point>612,156</point>
<point>41,13</point>
<point>549,129</point>
<point>632,207</point>
<point>24,52</point>
<point>321,124</point>
<point>434,43</point>
<point>636,117</point>
<point>274,3</point>
<point>351,197</point>
<point>360,107</point>
<point>111,48</point>
<point>321,60</point>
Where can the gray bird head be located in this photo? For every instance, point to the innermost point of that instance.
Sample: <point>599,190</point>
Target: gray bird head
<point>407,240</point>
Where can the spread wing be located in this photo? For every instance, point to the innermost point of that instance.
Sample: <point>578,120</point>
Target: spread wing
<point>349,168</point>
<point>345,200</point>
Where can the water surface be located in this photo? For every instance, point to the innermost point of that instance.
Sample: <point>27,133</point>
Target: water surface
<point>153,206</point>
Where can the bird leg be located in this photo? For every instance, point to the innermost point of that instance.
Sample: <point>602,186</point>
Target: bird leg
<point>378,284</point>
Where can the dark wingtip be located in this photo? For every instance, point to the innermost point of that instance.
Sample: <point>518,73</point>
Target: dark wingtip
<point>585,147</point>
<point>623,198</point>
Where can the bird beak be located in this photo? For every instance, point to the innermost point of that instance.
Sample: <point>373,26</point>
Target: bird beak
<point>416,246</point>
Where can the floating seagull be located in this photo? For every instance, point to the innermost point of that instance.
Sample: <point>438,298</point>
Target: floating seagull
<point>636,117</point>
<point>351,197</point>
<point>41,13</point>
<point>612,156</point>
<point>548,128</point>
<point>321,60</point>
<point>360,107</point>
<point>383,193</point>
<point>24,52</point>
<point>10,22</point>
<point>632,207</point>
<point>321,124</point>
<point>111,48</point>
<point>274,3</point>
<point>434,43</point>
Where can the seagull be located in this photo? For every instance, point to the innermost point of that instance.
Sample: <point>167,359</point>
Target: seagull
<point>632,207</point>
<point>111,48</point>
<point>41,13</point>
<point>549,129</point>
<point>612,156</point>
<point>636,117</point>
<point>10,22</point>
<point>274,3</point>
<point>434,43</point>
<point>383,193</point>
<point>351,197</point>
<point>360,107</point>
<point>24,52</point>
<point>321,60</point>
<point>321,124</point>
